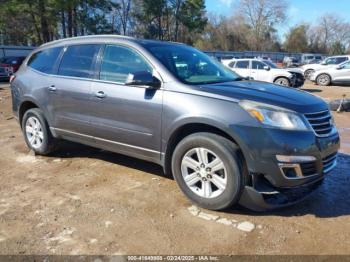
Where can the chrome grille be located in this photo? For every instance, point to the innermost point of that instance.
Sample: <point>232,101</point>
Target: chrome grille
<point>329,162</point>
<point>321,122</point>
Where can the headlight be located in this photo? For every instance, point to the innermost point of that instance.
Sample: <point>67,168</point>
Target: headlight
<point>274,116</point>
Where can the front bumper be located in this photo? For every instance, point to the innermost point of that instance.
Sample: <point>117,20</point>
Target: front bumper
<point>297,80</point>
<point>285,182</point>
<point>313,77</point>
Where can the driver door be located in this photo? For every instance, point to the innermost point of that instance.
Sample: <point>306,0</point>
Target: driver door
<point>126,119</point>
<point>258,72</point>
<point>342,74</point>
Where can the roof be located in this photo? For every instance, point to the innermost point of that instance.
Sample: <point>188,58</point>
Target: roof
<point>104,38</point>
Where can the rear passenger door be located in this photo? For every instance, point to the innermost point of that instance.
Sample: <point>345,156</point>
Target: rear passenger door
<point>242,67</point>
<point>70,90</point>
<point>126,118</point>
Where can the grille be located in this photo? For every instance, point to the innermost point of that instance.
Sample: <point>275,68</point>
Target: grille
<point>321,122</point>
<point>329,162</point>
<point>308,168</point>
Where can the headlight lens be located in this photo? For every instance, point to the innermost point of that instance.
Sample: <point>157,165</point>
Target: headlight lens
<point>274,116</point>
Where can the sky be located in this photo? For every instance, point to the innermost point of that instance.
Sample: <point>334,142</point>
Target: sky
<point>298,11</point>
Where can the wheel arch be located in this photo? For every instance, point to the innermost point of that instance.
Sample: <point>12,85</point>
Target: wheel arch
<point>24,107</point>
<point>187,129</point>
<point>323,73</point>
<point>281,76</point>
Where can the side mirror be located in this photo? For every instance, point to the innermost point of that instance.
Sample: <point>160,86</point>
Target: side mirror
<point>323,63</point>
<point>267,68</point>
<point>338,67</point>
<point>143,78</point>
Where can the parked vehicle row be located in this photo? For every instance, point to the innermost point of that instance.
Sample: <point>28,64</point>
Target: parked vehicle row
<point>339,74</point>
<point>9,65</point>
<point>265,70</point>
<point>332,61</point>
<point>226,140</point>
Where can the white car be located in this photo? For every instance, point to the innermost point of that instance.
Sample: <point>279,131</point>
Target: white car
<point>329,62</point>
<point>334,75</point>
<point>265,70</point>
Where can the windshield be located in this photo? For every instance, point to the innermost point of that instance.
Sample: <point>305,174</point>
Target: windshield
<point>189,65</point>
<point>270,64</point>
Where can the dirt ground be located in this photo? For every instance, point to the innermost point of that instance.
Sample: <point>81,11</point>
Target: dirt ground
<point>83,200</point>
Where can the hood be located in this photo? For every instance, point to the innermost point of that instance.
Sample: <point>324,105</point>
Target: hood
<point>289,98</point>
<point>316,66</point>
<point>294,70</point>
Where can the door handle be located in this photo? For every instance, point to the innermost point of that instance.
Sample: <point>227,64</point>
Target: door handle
<point>52,88</point>
<point>100,94</point>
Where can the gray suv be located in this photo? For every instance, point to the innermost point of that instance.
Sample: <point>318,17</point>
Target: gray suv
<point>224,139</point>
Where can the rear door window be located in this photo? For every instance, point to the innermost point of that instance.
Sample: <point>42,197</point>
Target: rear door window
<point>45,60</point>
<point>119,61</point>
<point>79,61</point>
<point>242,64</point>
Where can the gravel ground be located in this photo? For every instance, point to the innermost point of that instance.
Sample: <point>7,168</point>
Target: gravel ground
<point>88,201</point>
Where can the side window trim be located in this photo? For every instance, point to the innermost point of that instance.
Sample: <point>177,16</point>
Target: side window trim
<point>58,61</point>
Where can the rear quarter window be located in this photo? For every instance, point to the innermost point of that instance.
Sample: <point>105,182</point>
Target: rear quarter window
<point>45,60</point>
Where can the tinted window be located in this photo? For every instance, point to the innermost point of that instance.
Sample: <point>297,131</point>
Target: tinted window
<point>44,61</point>
<point>242,64</point>
<point>118,62</point>
<point>346,65</point>
<point>232,64</point>
<point>79,60</point>
<point>340,60</point>
<point>189,65</point>
<point>257,65</point>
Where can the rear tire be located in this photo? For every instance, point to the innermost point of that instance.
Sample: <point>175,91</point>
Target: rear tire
<point>208,170</point>
<point>323,80</point>
<point>37,133</point>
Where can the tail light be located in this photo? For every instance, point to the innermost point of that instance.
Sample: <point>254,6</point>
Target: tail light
<point>12,77</point>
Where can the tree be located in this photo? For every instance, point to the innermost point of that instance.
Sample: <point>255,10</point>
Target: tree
<point>297,39</point>
<point>262,16</point>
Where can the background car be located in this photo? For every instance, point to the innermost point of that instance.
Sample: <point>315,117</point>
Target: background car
<point>265,70</point>
<point>9,65</point>
<point>338,75</point>
<point>328,62</point>
<point>310,58</point>
<point>290,61</point>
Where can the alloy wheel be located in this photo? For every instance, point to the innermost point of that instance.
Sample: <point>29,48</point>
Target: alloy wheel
<point>204,172</point>
<point>34,132</point>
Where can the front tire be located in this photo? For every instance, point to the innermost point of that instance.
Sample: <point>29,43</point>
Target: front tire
<point>208,170</point>
<point>282,81</point>
<point>37,133</point>
<point>323,80</point>
<point>308,73</point>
